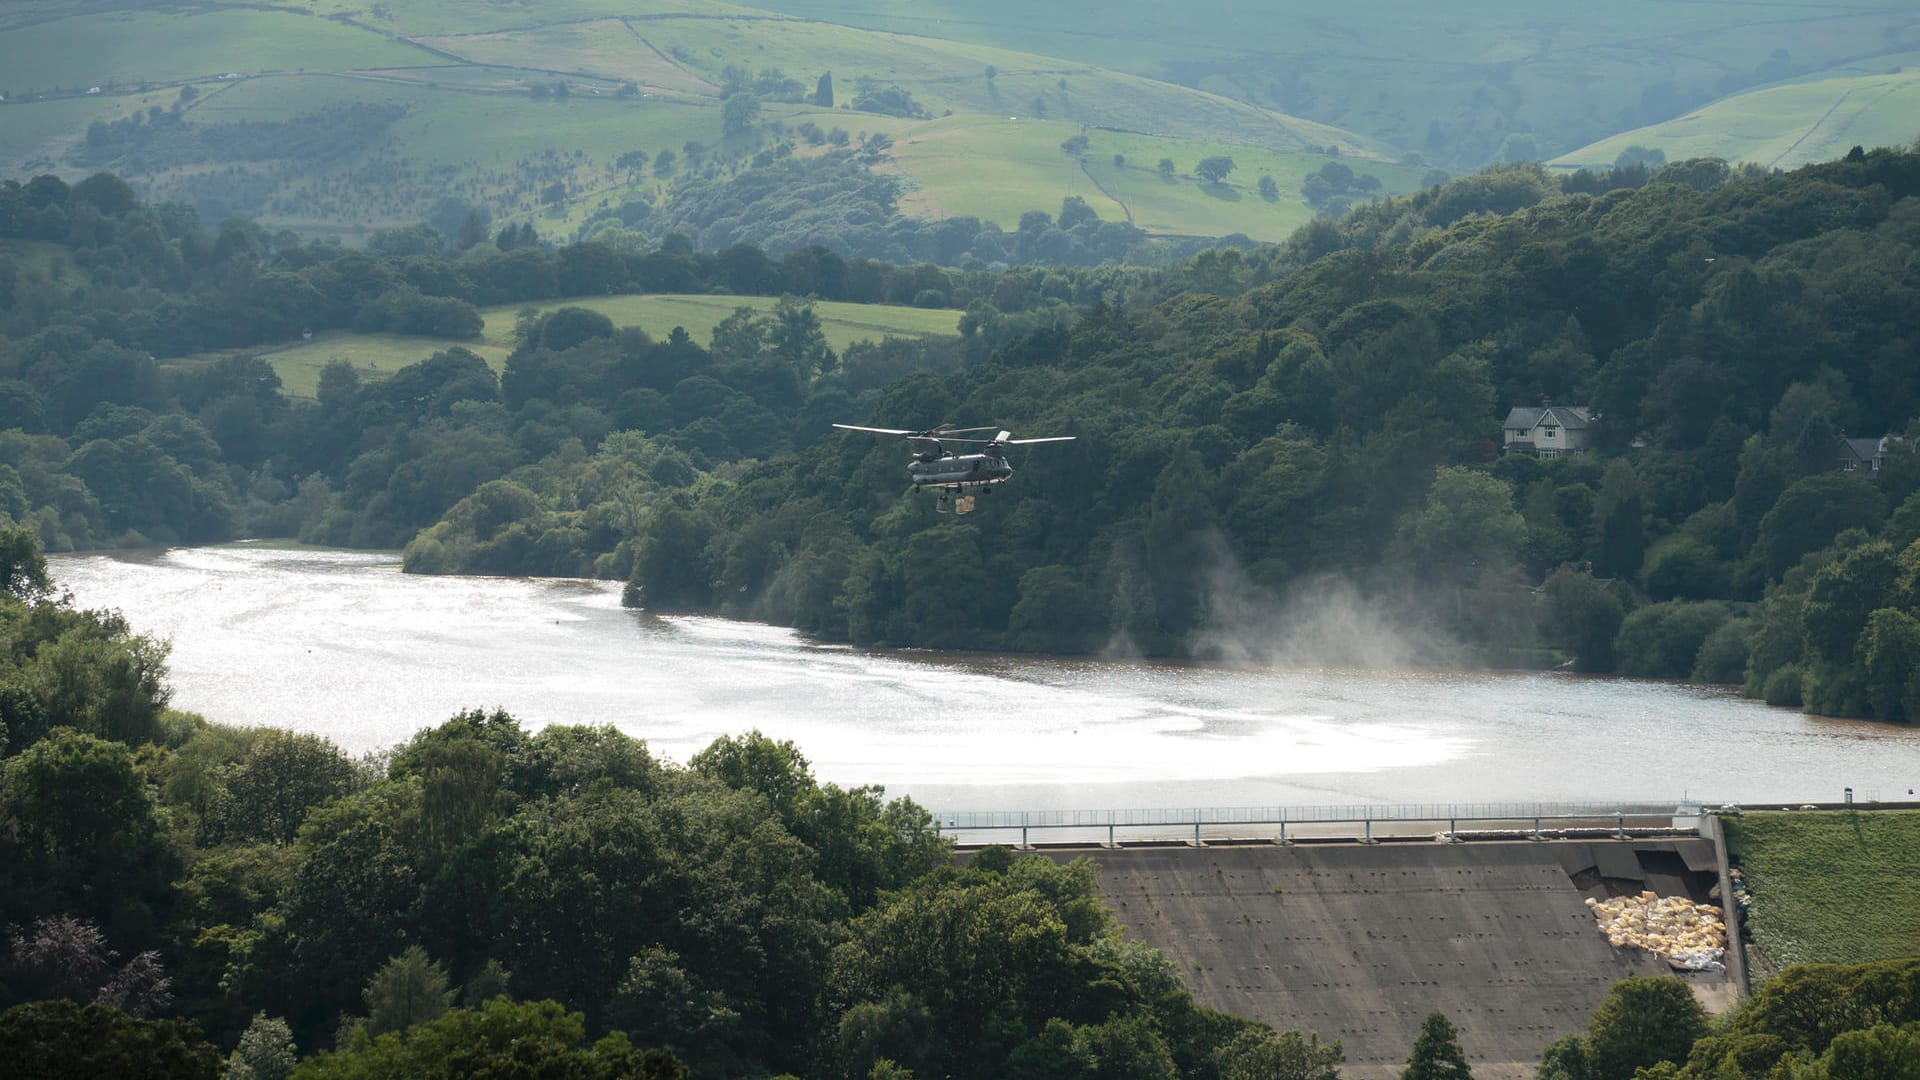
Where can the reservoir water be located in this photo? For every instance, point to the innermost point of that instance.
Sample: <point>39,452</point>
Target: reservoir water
<point>344,645</point>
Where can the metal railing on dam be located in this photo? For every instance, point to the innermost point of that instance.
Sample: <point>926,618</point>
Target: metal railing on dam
<point>1364,821</point>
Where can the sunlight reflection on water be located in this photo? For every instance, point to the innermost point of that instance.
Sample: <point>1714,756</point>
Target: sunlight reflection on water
<point>342,644</point>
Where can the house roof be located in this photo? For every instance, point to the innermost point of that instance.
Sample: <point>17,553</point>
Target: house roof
<point>1573,417</point>
<point>1863,449</point>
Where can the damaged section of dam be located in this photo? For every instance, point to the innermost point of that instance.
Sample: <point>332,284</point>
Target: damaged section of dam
<point>1359,942</point>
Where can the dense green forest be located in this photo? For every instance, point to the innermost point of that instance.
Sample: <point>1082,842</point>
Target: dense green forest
<point>187,900</point>
<point>1267,439</point>
<point>784,204</point>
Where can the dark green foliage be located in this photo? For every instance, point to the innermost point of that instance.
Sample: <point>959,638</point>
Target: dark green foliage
<point>84,836</point>
<point>1436,1053</point>
<point>1811,512</point>
<point>411,989</point>
<point>500,1038</point>
<point>1663,641</point>
<point>1213,169</point>
<point>872,95</point>
<point>1642,1022</point>
<point>1816,1022</point>
<point>832,201</point>
<point>59,1040</point>
<point>1248,419</point>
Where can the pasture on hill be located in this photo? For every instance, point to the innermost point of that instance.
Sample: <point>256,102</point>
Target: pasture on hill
<point>379,355</point>
<point>1830,887</point>
<point>330,118</point>
<point>1453,82</point>
<point>945,159</point>
<point>1781,127</point>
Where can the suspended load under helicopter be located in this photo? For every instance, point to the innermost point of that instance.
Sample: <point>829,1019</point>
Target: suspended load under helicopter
<point>935,465</point>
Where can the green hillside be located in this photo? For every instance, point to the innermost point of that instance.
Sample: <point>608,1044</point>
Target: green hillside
<point>1781,126</point>
<point>1830,888</point>
<point>299,364</point>
<point>328,118</point>
<point>1450,81</point>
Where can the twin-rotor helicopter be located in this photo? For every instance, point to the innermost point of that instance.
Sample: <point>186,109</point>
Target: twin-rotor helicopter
<point>954,474</point>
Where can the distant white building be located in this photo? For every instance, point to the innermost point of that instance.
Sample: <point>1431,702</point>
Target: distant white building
<point>1548,430</point>
<point>93,89</point>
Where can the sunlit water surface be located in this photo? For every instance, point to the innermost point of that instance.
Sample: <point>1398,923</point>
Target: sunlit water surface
<point>343,644</point>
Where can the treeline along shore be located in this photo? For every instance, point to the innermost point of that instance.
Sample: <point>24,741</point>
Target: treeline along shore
<point>1321,432</point>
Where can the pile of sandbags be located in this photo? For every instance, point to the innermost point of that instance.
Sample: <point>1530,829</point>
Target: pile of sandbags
<point>1688,934</point>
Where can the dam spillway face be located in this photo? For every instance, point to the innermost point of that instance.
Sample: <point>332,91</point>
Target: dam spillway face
<point>1359,943</point>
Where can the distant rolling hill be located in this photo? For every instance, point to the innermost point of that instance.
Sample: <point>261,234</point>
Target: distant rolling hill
<point>1461,82</point>
<point>1780,126</point>
<point>328,117</point>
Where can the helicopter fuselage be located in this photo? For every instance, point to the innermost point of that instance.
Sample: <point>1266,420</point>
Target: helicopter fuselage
<point>959,471</point>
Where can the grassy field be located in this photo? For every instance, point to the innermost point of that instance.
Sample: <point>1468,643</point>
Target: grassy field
<point>132,47</point>
<point>463,74</point>
<point>1781,126</point>
<point>376,355</point>
<point>944,158</point>
<point>1831,887</point>
<point>1567,74</point>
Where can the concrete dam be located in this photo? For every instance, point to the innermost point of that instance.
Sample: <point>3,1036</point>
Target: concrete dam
<point>1358,942</point>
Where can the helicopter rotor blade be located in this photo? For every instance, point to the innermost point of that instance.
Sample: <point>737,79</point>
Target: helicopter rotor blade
<point>932,433</point>
<point>1050,438</point>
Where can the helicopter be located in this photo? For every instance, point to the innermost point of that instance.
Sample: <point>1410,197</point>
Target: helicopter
<point>935,466</point>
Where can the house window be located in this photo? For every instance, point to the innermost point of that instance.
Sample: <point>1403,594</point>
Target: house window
<point>1549,432</point>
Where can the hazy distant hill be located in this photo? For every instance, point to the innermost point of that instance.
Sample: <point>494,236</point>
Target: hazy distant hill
<point>331,117</point>
<point>1785,126</point>
<point>1461,82</point>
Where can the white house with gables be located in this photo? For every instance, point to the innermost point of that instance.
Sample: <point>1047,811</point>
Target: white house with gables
<point>1548,430</point>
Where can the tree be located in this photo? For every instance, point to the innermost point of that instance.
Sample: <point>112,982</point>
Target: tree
<point>266,1051</point>
<point>1269,189</point>
<point>1213,169</point>
<point>1564,1059</point>
<point>1259,1054</point>
<point>823,90</point>
<point>502,1038</point>
<point>1890,661</point>
<point>1166,168</point>
<point>1436,1053</point>
<point>60,1039</point>
<point>1620,522</point>
<point>739,114</point>
<point>1642,1022</point>
<point>664,163</point>
<point>1469,522</point>
<point>282,776</point>
<point>1811,512</point>
<point>87,837</point>
<point>23,569</point>
<point>1074,146</point>
<point>411,989</point>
